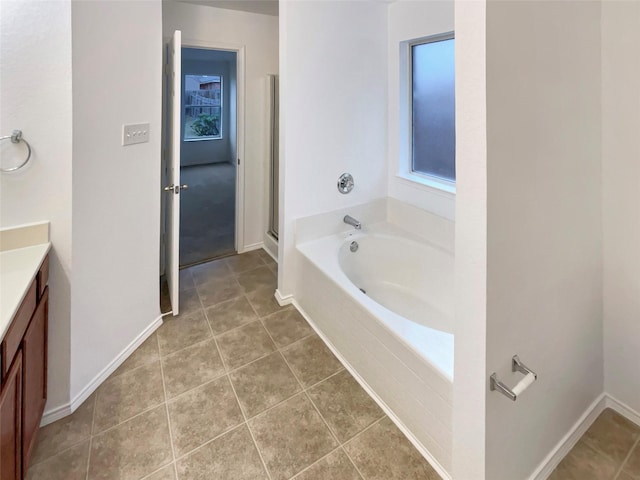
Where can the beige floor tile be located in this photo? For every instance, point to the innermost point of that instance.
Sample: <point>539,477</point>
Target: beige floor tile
<point>244,262</point>
<point>335,466</point>
<point>133,449</point>
<point>612,434</point>
<point>209,271</point>
<point>202,414</point>
<point>191,367</point>
<point>261,277</point>
<point>232,456</point>
<point>217,291</point>
<point>127,395</point>
<point>291,437</point>
<point>311,360</point>
<point>287,326</point>
<point>166,473</point>
<point>264,255</point>
<point>177,333</point>
<point>632,467</point>
<point>584,463</point>
<point>71,464</point>
<point>271,263</point>
<point>189,301</point>
<point>264,302</point>
<point>186,279</point>
<point>383,453</point>
<point>242,345</point>
<point>62,434</point>
<point>346,407</point>
<point>264,383</point>
<point>230,314</point>
<point>146,353</point>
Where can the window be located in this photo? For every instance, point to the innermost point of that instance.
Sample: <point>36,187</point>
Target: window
<point>202,107</point>
<point>433,136</point>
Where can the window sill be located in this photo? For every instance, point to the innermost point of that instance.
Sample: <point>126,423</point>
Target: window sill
<point>201,139</point>
<point>445,189</point>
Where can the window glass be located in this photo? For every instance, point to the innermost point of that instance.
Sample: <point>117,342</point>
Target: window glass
<point>202,107</point>
<point>433,108</point>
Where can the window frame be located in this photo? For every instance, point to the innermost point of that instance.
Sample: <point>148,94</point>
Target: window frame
<point>184,108</point>
<point>405,170</point>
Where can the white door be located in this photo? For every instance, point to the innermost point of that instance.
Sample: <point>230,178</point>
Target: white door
<point>173,189</point>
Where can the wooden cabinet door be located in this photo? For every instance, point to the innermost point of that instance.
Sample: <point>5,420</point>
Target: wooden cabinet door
<point>34,388</point>
<point>10,422</point>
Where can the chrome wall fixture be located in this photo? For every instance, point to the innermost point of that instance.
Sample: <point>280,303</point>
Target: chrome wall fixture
<point>16,137</point>
<point>345,183</point>
<point>516,366</point>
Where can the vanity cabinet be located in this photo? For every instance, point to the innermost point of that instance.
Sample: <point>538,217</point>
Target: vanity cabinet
<point>23,393</point>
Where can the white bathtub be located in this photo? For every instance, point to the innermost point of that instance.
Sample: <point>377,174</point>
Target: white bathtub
<point>387,309</point>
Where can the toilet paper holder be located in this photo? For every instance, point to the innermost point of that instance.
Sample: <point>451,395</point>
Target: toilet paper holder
<point>516,366</point>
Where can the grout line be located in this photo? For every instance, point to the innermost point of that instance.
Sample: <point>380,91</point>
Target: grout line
<point>333,434</point>
<point>235,394</point>
<point>166,409</point>
<point>93,421</point>
<point>351,460</point>
<point>626,459</point>
<point>159,469</point>
<point>308,467</point>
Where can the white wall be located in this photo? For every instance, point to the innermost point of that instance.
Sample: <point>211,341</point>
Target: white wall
<point>470,243</point>
<point>544,227</point>
<point>259,34</point>
<point>116,189</point>
<point>35,74</point>
<point>409,20</point>
<point>332,111</point>
<point>621,197</point>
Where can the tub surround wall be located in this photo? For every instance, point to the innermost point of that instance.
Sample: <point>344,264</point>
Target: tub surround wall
<point>544,230</point>
<point>621,202</point>
<point>332,112</point>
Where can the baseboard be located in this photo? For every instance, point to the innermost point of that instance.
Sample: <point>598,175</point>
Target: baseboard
<point>249,248</point>
<point>56,413</point>
<point>283,299</point>
<point>62,411</point>
<point>414,441</point>
<point>565,445</point>
<point>271,246</point>
<point>623,409</point>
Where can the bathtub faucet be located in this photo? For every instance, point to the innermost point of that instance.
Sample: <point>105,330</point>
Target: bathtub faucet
<point>349,220</point>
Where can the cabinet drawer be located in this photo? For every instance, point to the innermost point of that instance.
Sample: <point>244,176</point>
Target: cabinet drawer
<point>13,338</point>
<point>43,276</point>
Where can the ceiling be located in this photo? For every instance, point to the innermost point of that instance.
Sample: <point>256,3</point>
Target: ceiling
<point>264,7</point>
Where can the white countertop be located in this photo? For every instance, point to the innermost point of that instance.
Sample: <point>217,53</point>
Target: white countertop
<point>18,268</point>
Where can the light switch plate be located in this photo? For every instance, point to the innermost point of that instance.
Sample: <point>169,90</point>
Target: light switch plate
<point>135,133</point>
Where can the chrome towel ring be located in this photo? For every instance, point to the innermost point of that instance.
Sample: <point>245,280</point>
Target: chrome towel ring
<point>16,137</point>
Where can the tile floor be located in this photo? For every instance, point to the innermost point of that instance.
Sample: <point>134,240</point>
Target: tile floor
<point>235,388</point>
<point>609,450</point>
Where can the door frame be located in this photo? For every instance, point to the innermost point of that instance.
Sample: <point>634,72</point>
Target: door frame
<point>240,129</point>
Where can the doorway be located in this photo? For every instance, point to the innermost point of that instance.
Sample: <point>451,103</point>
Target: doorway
<point>208,155</point>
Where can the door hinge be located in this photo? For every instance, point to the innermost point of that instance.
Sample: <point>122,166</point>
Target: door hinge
<point>238,161</point>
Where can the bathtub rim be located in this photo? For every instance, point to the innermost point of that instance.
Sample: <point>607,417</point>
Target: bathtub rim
<point>331,268</point>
